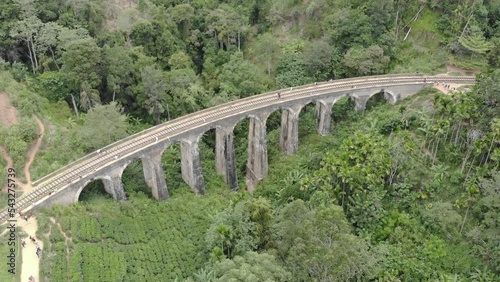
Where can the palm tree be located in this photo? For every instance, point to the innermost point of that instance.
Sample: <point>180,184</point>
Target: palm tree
<point>226,235</point>
<point>89,97</point>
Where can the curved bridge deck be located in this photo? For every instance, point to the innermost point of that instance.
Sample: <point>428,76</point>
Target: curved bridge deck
<point>188,129</point>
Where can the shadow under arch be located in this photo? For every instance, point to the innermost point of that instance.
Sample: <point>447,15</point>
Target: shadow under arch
<point>93,190</point>
<point>379,98</point>
<point>171,164</point>
<point>133,179</point>
<point>343,109</point>
<point>308,119</point>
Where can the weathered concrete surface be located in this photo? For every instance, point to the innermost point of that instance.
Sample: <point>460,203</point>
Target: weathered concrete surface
<point>391,93</point>
<point>324,115</point>
<point>289,138</point>
<point>154,175</point>
<point>360,102</point>
<point>257,166</point>
<point>114,186</point>
<point>110,176</point>
<point>191,165</point>
<point>225,162</point>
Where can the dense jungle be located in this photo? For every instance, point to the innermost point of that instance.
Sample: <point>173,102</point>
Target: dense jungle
<point>404,192</point>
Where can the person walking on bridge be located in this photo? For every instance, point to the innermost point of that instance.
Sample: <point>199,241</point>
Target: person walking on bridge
<point>279,95</point>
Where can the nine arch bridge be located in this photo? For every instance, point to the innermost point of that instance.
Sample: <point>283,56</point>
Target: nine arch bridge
<point>65,185</point>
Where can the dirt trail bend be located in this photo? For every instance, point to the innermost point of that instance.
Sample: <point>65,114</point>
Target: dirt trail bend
<point>32,152</point>
<point>8,114</point>
<point>66,238</point>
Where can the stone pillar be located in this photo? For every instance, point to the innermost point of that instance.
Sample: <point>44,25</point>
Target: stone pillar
<point>289,138</point>
<point>390,98</point>
<point>154,175</point>
<point>360,102</point>
<point>191,165</point>
<point>324,114</point>
<point>113,184</point>
<point>225,156</point>
<point>257,151</point>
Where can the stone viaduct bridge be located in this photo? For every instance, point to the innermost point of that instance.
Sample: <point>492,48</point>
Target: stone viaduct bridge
<point>65,185</point>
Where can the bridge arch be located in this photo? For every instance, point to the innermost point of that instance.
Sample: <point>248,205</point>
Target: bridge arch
<point>112,180</point>
<point>88,185</point>
<point>389,96</point>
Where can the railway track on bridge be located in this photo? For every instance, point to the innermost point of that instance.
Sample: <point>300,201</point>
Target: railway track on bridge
<point>91,163</point>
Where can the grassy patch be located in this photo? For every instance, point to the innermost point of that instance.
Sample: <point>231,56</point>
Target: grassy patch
<point>4,252</point>
<point>470,63</point>
<point>421,51</point>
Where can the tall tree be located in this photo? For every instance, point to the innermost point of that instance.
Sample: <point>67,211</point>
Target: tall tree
<point>27,30</point>
<point>82,62</point>
<point>474,41</point>
<point>48,39</point>
<point>319,59</point>
<point>241,78</point>
<point>82,67</point>
<point>118,67</point>
<point>291,71</point>
<point>317,245</point>
<point>103,125</point>
<point>250,267</point>
<point>155,91</point>
<point>183,16</point>
<point>366,61</point>
<point>269,49</point>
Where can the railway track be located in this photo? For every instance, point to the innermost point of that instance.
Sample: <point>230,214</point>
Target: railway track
<point>91,163</point>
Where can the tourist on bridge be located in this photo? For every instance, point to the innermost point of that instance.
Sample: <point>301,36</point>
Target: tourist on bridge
<point>279,95</point>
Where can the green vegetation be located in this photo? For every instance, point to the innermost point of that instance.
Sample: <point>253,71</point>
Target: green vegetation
<point>152,240</point>
<point>5,251</point>
<point>398,193</point>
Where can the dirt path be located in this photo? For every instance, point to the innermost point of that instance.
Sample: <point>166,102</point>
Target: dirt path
<point>8,114</point>
<point>451,71</point>
<point>66,239</point>
<point>31,262</point>
<point>441,87</point>
<point>31,154</point>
